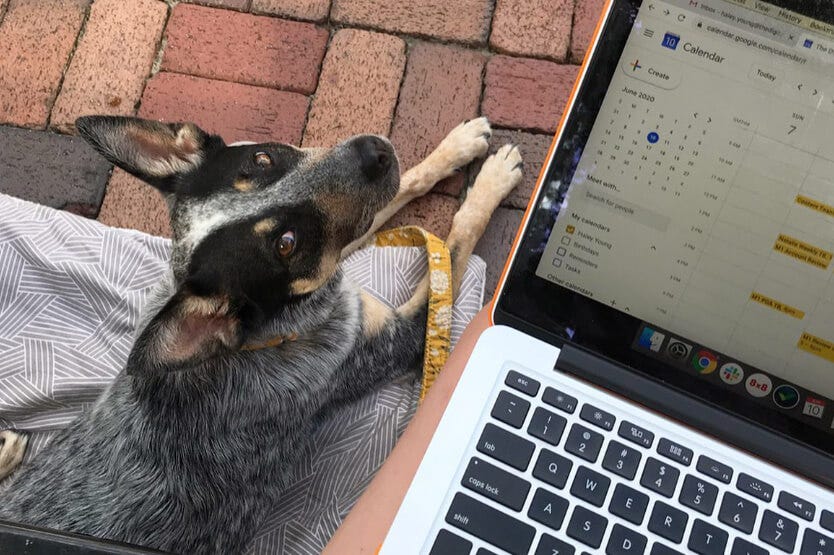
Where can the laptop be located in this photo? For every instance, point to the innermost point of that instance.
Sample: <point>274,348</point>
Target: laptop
<point>660,375</point>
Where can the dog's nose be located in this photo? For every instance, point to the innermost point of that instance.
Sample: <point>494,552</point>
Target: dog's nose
<point>374,156</point>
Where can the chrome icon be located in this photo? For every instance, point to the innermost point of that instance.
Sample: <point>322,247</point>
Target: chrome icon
<point>704,362</point>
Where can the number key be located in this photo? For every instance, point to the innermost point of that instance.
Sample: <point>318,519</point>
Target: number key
<point>698,494</point>
<point>621,460</point>
<point>660,477</point>
<point>547,426</point>
<point>583,442</point>
<point>738,512</point>
<point>778,531</point>
<point>814,543</point>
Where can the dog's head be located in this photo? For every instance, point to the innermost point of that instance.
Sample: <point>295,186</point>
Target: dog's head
<point>256,226</point>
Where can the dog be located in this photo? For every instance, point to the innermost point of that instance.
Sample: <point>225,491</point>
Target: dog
<point>251,337</point>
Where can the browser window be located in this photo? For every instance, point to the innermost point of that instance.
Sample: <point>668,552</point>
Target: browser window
<point>703,202</point>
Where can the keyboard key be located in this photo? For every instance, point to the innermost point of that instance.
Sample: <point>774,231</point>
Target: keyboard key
<point>674,451</point>
<point>522,383</point>
<point>597,417</point>
<point>548,508</point>
<point>714,469</point>
<point>755,487</point>
<point>744,547</point>
<point>547,426</point>
<point>668,522</point>
<point>635,434</point>
<point>827,520</point>
<point>660,477</point>
<point>698,494</point>
<point>814,543</point>
<point>505,447</point>
<point>552,468</point>
<point>549,545</point>
<point>590,486</point>
<point>490,525</point>
<point>796,506</point>
<point>447,543</point>
<point>706,539</point>
<point>484,551</point>
<point>778,531</point>
<point>583,442</point>
<point>510,409</point>
<point>621,460</point>
<point>738,512</point>
<point>587,527</point>
<point>495,483</point>
<point>561,401</point>
<point>660,549</point>
<point>628,503</point>
<point>625,542</point>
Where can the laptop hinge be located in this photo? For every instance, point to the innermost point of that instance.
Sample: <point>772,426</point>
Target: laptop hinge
<point>707,418</point>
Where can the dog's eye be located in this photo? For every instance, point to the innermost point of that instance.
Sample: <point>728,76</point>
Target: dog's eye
<point>263,160</point>
<point>286,244</point>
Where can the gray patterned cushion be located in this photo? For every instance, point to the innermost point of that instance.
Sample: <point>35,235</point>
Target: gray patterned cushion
<point>71,290</point>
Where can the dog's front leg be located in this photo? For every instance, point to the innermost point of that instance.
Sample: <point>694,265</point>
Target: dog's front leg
<point>392,340</point>
<point>464,143</point>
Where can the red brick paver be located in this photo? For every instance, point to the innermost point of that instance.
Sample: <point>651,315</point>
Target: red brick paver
<point>310,10</point>
<point>358,88</point>
<point>525,93</point>
<point>494,246</point>
<point>464,21</point>
<point>442,87</point>
<point>37,37</point>
<point>234,111</point>
<point>245,48</point>
<point>131,203</point>
<point>112,60</point>
<point>539,28</point>
<point>584,23</point>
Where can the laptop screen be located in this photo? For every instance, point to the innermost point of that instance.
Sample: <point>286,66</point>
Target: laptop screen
<point>686,225</point>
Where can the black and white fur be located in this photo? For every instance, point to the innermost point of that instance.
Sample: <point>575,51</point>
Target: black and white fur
<point>197,437</point>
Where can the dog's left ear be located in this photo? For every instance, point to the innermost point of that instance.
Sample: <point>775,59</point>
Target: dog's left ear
<point>188,331</point>
<point>153,151</point>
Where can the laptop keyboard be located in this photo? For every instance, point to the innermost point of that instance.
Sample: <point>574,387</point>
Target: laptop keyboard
<point>598,483</point>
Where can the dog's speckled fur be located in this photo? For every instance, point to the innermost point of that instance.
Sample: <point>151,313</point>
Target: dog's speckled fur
<point>195,439</point>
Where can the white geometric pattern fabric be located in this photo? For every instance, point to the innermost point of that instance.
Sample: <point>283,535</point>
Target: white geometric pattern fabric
<point>71,291</point>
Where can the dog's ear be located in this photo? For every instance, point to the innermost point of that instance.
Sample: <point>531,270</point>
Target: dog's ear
<point>188,331</point>
<point>152,151</point>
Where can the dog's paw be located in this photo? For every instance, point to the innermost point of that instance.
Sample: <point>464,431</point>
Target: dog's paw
<point>499,175</point>
<point>464,143</point>
<point>12,449</point>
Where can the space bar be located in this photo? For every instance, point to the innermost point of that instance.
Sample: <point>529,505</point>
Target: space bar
<point>492,526</point>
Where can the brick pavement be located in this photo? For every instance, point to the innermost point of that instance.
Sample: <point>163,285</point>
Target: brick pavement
<point>306,72</point>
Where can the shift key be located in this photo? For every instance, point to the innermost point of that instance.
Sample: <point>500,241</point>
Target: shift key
<point>490,525</point>
<point>505,447</point>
